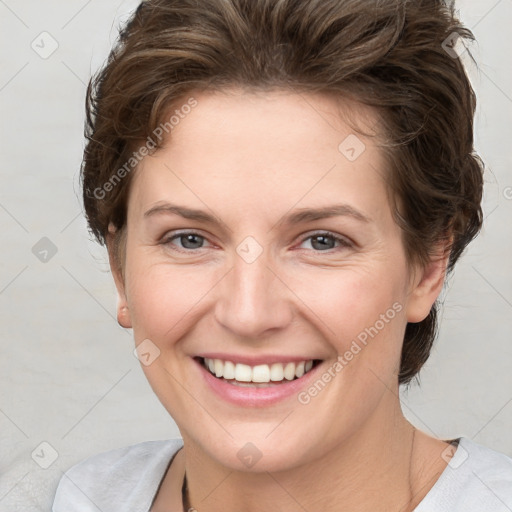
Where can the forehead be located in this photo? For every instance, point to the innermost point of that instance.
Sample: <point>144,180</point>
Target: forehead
<point>267,149</point>
<point>278,118</point>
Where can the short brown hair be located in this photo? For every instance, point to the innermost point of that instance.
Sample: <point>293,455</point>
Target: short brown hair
<point>389,54</point>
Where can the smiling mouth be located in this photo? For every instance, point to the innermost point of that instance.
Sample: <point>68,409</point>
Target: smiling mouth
<point>258,376</point>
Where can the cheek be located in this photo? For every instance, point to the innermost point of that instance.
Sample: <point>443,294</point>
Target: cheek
<point>351,300</point>
<point>165,299</point>
<point>361,313</point>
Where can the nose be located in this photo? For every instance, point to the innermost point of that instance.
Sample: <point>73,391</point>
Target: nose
<point>253,300</point>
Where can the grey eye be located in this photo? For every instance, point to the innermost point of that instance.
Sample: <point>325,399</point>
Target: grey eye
<point>191,241</point>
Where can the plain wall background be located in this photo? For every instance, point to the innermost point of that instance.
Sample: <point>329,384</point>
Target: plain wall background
<point>68,376</point>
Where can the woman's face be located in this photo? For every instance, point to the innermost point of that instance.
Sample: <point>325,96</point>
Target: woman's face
<point>294,257</point>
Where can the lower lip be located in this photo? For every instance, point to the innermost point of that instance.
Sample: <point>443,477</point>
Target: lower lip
<point>256,397</point>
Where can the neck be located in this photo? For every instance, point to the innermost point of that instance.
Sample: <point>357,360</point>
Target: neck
<point>373,470</point>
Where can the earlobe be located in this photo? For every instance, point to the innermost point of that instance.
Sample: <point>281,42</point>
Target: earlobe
<point>123,311</point>
<point>426,289</point>
<point>123,316</point>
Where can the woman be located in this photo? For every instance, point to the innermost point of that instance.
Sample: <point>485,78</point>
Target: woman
<point>282,187</point>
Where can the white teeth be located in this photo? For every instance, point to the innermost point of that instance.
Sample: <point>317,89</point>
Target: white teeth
<point>276,372</point>
<point>289,371</point>
<point>219,367</point>
<point>262,373</point>
<point>229,370</point>
<point>243,373</point>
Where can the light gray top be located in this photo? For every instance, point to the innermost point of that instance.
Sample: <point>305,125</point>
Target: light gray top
<point>477,479</point>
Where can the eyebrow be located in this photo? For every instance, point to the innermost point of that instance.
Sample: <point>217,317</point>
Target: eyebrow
<point>298,216</point>
<point>336,210</point>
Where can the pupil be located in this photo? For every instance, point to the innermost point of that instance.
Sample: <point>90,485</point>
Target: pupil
<point>191,241</point>
<point>323,244</point>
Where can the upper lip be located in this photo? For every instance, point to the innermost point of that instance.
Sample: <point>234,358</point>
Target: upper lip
<point>254,360</point>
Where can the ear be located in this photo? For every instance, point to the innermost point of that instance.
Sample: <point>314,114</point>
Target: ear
<point>123,311</point>
<point>427,285</point>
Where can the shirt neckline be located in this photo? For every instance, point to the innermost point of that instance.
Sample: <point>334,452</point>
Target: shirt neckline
<point>454,461</point>
<point>163,478</point>
<point>437,484</point>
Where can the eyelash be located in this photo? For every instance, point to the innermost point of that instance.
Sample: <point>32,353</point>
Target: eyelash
<point>342,241</point>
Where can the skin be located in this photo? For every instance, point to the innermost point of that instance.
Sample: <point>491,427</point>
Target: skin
<point>251,159</point>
